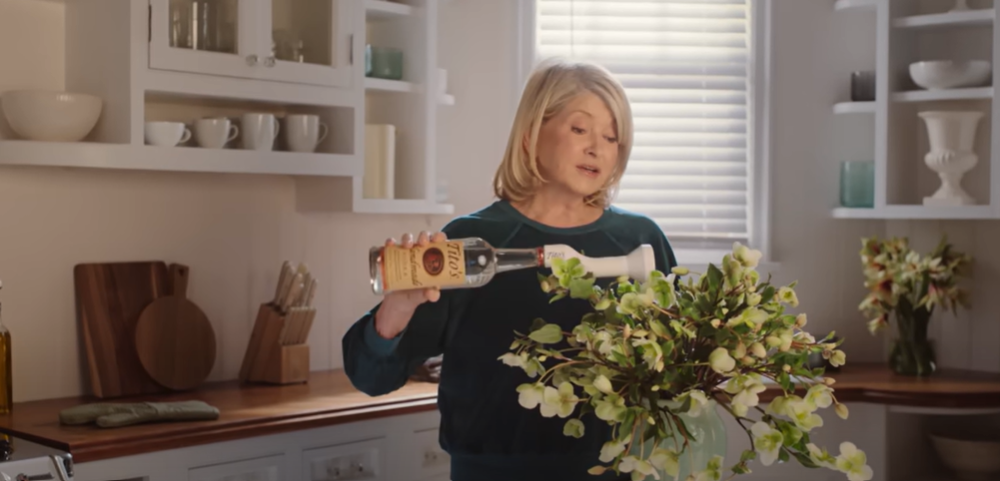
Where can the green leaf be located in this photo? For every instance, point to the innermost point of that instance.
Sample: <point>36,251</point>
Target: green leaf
<point>668,348</point>
<point>658,328</point>
<point>548,334</point>
<point>767,295</point>
<point>557,297</point>
<point>748,455</point>
<point>537,324</point>
<point>715,277</point>
<point>783,456</point>
<point>581,288</point>
<point>805,460</point>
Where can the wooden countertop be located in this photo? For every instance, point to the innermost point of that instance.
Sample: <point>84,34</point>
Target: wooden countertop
<point>329,398</point>
<point>244,411</point>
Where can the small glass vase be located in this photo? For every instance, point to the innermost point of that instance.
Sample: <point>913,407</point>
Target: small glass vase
<point>912,353</point>
<point>709,434</point>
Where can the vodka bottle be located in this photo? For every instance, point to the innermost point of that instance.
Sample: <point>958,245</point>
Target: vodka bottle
<point>6,372</point>
<point>472,262</point>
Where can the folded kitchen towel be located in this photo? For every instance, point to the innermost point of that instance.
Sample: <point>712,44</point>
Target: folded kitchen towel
<point>113,415</point>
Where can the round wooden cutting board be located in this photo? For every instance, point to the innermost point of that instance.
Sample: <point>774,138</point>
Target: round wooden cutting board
<point>173,338</point>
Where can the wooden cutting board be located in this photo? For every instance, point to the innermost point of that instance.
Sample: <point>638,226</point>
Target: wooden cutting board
<point>110,297</point>
<point>175,341</point>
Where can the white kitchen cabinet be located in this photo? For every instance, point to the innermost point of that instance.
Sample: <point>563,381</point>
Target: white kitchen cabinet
<point>296,41</point>
<point>269,468</point>
<point>393,448</point>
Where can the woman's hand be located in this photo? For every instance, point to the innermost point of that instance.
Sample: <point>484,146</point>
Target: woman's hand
<point>398,306</point>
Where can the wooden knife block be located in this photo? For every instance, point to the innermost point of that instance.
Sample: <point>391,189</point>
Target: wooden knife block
<point>266,360</point>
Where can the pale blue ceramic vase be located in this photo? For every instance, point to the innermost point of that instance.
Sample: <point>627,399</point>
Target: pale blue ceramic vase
<point>709,432</point>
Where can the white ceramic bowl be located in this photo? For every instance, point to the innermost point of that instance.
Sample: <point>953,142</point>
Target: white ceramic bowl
<point>950,74</point>
<point>50,115</point>
<point>971,459</point>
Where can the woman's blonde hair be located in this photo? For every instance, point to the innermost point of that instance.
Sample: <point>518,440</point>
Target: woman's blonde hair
<point>553,84</point>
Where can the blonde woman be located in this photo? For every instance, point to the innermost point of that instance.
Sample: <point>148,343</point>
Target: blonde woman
<point>567,151</point>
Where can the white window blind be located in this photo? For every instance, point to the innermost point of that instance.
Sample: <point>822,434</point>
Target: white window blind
<point>684,65</point>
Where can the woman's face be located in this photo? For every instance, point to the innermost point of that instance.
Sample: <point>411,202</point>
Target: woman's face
<point>578,148</point>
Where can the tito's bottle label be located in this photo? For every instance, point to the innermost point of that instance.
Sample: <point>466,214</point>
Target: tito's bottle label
<point>435,265</point>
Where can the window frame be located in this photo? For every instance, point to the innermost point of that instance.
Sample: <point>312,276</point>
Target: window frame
<point>760,75</point>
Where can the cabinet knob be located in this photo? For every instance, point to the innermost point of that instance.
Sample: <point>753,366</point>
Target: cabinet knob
<point>251,60</point>
<point>269,62</point>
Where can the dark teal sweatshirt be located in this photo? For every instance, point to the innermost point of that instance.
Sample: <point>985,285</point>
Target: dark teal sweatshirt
<point>489,436</point>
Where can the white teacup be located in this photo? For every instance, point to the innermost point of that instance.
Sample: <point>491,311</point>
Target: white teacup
<point>213,133</point>
<point>166,134</point>
<point>304,132</point>
<point>259,131</point>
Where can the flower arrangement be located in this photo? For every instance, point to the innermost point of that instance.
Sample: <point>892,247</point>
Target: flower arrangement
<point>654,353</point>
<point>903,283</point>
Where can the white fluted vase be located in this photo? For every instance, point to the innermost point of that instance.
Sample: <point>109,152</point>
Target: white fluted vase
<point>952,138</point>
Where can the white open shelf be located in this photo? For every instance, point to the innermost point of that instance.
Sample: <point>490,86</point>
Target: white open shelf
<point>854,108</point>
<point>917,212</point>
<point>176,159</point>
<point>968,18</point>
<point>384,85</point>
<point>855,4</point>
<point>383,10</point>
<point>950,94</point>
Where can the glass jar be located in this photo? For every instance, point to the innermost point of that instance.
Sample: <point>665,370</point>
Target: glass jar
<point>857,184</point>
<point>383,62</point>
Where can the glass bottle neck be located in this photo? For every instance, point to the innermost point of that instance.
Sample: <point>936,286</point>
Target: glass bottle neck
<point>514,259</point>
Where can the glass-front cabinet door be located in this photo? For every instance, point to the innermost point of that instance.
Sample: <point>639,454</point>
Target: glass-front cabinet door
<point>218,37</point>
<point>308,41</point>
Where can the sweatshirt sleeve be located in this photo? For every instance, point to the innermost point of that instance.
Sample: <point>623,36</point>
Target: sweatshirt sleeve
<point>376,365</point>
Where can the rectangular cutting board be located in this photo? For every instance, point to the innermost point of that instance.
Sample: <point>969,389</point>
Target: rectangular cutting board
<point>110,297</point>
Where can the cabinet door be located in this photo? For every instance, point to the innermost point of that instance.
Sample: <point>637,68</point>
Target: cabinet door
<point>309,41</point>
<point>269,468</point>
<point>217,37</point>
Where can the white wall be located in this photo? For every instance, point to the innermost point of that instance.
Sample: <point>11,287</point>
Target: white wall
<point>232,230</point>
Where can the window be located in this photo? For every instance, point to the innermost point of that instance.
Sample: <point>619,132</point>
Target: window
<point>687,67</point>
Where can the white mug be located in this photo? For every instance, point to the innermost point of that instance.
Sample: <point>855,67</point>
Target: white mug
<point>166,134</point>
<point>304,132</point>
<point>259,131</point>
<point>213,133</point>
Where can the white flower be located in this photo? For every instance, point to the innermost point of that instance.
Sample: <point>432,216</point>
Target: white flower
<point>838,358</point>
<point>788,296</point>
<point>822,458</point>
<point>562,401</point>
<point>711,472</point>
<point>853,463</point>
<point>767,442</point>
<point>748,257</point>
<point>611,450</point>
<point>603,384</point>
<point>604,339</point>
<point>747,398</point>
<point>758,350</point>
<point>574,428</point>
<point>639,468</point>
<point>841,411</point>
<point>819,396</point>
<point>801,320</point>
<point>512,360</point>
<point>720,361</point>
<point>611,408</point>
<point>698,402</point>
<point>802,414</point>
<point>665,460</point>
<point>531,395</point>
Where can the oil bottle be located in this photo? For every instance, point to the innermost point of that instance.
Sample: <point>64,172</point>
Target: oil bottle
<point>6,375</point>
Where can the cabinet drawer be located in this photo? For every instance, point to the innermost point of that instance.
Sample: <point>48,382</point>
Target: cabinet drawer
<point>268,468</point>
<point>428,459</point>
<point>361,461</point>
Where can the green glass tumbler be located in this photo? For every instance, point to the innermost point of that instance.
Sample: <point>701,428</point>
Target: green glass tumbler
<point>383,62</point>
<point>857,184</point>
